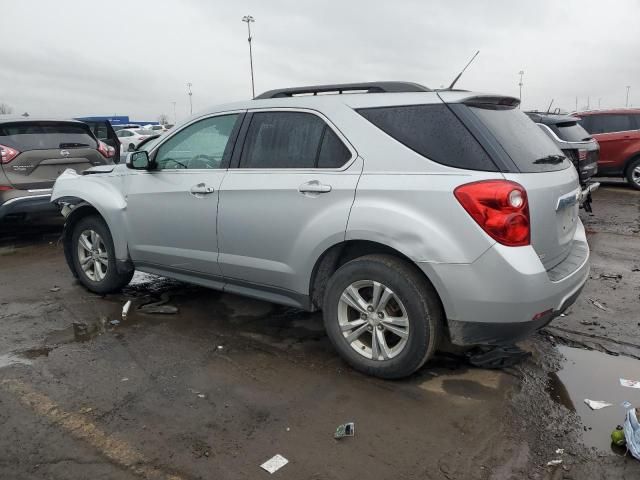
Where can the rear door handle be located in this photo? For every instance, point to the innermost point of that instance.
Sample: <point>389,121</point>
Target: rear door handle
<point>314,186</point>
<point>201,188</point>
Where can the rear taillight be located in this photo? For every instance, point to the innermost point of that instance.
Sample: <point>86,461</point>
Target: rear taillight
<point>500,207</point>
<point>5,188</point>
<point>106,150</point>
<point>7,154</point>
<point>582,155</point>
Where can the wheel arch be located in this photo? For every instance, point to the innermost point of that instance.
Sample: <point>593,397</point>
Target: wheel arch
<point>339,254</point>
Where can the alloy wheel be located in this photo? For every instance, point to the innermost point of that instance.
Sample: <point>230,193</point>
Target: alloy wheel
<point>92,254</point>
<point>373,320</point>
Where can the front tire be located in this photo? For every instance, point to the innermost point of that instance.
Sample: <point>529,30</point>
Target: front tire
<point>94,257</point>
<point>633,173</point>
<point>382,316</point>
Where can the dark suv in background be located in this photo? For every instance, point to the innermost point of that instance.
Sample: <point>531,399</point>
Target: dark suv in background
<point>576,143</point>
<point>618,133</point>
<point>34,152</point>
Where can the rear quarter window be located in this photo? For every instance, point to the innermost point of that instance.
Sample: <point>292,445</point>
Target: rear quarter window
<point>46,136</point>
<point>432,131</point>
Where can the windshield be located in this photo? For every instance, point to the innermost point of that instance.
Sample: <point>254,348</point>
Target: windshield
<point>528,146</point>
<point>148,144</point>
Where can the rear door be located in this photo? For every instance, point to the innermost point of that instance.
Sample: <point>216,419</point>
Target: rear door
<point>547,175</point>
<point>292,190</point>
<point>47,148</point>
<point>614,134</point>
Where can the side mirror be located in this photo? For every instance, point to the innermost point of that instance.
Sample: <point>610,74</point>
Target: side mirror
<point>138,160</point>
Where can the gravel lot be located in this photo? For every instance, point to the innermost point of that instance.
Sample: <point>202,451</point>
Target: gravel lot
<point>221,386</point>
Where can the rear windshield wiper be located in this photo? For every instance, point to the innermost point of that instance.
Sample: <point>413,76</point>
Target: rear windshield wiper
<point>551,159</point>
<point>73,145</point>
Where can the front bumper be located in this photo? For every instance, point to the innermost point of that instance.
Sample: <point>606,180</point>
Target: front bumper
<point>30,202</point>
<point>507,294</point>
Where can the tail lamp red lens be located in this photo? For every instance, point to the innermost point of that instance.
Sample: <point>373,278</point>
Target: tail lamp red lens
<point>582,155</point>
<point>7,154</point>
<point>501,209</point>
<point>106,150</point>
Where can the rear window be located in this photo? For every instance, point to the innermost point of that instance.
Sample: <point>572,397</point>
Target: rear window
<point>46,136</point>
<point>434,132</point>
<point>607,123</point>
<point>570,132</point>
<point>144,132</point>
<point>527,145</point>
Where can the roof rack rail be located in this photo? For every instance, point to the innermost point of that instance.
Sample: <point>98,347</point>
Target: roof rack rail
<point>367,87</point>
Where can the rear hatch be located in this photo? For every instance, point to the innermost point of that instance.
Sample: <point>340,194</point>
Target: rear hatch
<point>46,149</point>
<point>529,157</point>
<point>579,147</point>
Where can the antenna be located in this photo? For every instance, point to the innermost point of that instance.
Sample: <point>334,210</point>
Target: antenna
<point>549,109</point>
<point>460,74</point>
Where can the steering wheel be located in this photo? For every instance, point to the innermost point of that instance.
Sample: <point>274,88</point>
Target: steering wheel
<point>202,161</point>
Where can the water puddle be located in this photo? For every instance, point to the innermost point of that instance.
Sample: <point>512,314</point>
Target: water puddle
<point>596,376</point>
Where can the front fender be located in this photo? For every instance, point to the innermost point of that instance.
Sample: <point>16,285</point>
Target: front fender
<point>101,192</point>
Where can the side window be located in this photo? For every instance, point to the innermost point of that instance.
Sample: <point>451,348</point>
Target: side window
<point>609,123</point>
<point>201,145</point>
<point>333,153</point>
<point>291,140</point>
<point>434,132</point>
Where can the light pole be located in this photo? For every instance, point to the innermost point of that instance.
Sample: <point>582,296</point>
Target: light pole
<point>189,85</point>
<point>175,117</point>
<point>521,73</point>
<point>248,19</point>
<point>626,104</point>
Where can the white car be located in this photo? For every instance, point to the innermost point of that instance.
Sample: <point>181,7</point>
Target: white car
<point>156,128</point>
<point>130,138</point>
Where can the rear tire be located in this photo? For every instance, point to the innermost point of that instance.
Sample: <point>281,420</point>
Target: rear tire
<point>394,302</point>
<point>633,173</point>
<point>94,256</point>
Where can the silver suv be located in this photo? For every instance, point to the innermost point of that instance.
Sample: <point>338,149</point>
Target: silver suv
<point>412,218</point>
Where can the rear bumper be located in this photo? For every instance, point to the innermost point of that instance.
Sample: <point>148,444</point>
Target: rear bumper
<point>507,294</point>
<point>30,202</point>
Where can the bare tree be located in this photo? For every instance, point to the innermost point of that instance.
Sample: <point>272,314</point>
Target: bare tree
<point>5,109</point>
<point>163,119</point>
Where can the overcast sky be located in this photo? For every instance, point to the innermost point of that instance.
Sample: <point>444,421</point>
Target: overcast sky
<point>72,58</point>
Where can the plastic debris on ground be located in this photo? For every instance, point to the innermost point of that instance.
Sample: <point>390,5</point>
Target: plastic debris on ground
<point>115,322</point>
<point>626,405</point>
<point>617,437</point>
<point>560,451</point>
<point>631,429</point>
<point>125,309</point>
<point>54,289</point>
<point>629,383</point>
<point>274,464</point>
<point>596,404</point>
<point>124,379</point>
<point>597,304</point>
<point>554,462</point>
<point>345,430</point>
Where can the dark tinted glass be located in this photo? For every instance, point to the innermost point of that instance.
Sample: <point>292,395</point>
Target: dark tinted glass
<point>46,135</point>
<point>607,123</point>
<point>527,145</point>
<point>282,140</point>
<point>333,153</point>
<point>570,132</point>
<point>434,132</point>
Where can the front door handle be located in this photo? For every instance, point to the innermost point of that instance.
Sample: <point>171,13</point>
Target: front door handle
<point>314,186</point>
<point>201,188</point>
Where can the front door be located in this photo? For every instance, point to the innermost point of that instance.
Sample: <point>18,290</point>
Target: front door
<point>172,208</point>
<point>289,198</point>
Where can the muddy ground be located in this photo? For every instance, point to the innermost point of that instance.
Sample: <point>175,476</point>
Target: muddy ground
<point>219,387</point>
